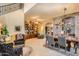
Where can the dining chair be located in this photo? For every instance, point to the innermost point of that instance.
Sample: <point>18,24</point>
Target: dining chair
<point>62,42</point>
<point>50,40</point>
<point>19,39</point>
<point>77,48</point>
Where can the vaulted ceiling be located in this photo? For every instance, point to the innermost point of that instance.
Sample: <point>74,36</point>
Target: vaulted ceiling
<point>50,10</point>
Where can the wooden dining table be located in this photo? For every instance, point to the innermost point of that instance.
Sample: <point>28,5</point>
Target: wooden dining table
<point>71,41</point>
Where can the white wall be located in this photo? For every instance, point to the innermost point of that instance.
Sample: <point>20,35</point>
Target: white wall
<point>13,19</point>
<point>2,19</point>
<point>16,18</point>
<point>28,6</point>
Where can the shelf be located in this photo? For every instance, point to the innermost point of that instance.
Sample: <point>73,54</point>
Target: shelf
<point>31,29</point>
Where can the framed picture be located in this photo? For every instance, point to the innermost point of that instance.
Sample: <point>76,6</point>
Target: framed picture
<point>17,28</point>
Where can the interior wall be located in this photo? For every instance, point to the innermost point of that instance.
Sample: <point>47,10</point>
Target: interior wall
<point>13,19</point>
<point>28,6</point>
<point>2,19</point>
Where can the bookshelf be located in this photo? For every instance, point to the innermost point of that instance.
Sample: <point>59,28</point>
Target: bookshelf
<point>31,29</point>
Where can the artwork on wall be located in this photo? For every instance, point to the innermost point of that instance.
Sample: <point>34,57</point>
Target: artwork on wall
<point>17,28</point>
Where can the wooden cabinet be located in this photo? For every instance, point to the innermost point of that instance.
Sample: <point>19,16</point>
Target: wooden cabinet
<point>31,29</point>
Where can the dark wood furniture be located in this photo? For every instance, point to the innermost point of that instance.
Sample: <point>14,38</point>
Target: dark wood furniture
<point>20,39</point>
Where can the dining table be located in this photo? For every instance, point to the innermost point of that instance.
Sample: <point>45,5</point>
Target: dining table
<point>71,38</point>
<point>71,41</point>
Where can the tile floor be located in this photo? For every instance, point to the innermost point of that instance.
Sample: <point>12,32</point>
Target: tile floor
<point>39,49</point>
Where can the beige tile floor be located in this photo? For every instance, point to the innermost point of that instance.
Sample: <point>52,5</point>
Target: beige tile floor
<point>39,49</point>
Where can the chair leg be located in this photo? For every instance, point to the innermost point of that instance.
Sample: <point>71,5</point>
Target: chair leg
<point>58,47</point>
<point>65,49</point>
<point>75,50</point>
<point>49,45</point>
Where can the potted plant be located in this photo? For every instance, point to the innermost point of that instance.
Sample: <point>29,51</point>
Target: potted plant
<point>5,30</point>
